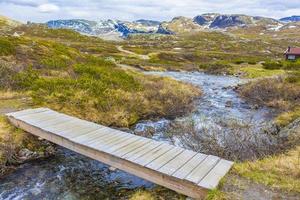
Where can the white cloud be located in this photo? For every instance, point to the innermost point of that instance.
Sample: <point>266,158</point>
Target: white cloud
<point>48,8</point>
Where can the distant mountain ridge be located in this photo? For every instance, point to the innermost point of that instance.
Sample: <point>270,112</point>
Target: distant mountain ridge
<point>291,19</point>
<point>100,27</point>
<point>176,25</point>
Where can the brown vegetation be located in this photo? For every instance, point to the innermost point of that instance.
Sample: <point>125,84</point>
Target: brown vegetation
<point>281,93</point>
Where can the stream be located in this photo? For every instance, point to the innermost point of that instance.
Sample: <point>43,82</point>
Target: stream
<point>69,175</point>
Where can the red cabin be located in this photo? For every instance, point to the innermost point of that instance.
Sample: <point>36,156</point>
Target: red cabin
<point>292,53</point>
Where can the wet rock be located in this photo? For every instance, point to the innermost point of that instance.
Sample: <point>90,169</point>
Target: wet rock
<point>26,154</point>
<point>228,104</point>
<point>112,169</point>
<point>255,107</point>
<point>50,150</point>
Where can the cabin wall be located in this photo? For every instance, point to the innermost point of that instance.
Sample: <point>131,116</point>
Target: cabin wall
<point>289,57</point>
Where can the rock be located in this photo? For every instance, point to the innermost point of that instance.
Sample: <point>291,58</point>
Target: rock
<point>16,35</point>
<point>255,107</point>
<point>50,150</point>
<point>26,154</point>
<point>112,169</point>
<point>228,104</point>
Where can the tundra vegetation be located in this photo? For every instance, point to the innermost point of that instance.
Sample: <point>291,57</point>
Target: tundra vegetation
<point>79,75</point>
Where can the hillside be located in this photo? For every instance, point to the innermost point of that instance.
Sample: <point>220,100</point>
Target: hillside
<point>65,66</point>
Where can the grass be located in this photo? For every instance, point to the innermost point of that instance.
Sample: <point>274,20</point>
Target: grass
<point>11,100</point>
<point>257,71</point>
<point>156,193</point>
<point>280,171</point>
<point>285,118</point>
<point>142,195</point>
<point>216,194</point>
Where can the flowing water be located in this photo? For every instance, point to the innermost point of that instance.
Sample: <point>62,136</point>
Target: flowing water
<point>69,175</point>
<point>219,105</point>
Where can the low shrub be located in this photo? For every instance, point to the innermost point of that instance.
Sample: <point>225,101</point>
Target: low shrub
<point>292,65</point>
<point>271,65</point>
<point>216,68</point>
<point>60,62</point>
<point>7,47</point>
<point>6,75</point>
<point>24,80</point>
<point>274,92</point>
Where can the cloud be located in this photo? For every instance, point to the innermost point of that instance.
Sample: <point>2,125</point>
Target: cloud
<point>43,10</point>
<point>31,3</point>
<point>48,8</point>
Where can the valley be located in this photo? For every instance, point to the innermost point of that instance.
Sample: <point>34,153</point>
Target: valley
<point>227,92</point>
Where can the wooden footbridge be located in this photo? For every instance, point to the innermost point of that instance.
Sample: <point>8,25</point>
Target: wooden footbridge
<point>181,170</point>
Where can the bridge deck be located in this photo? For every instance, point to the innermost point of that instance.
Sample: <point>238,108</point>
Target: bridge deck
<point>176,168</point>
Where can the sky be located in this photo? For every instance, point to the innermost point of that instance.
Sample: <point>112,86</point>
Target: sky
<point>44,10</point>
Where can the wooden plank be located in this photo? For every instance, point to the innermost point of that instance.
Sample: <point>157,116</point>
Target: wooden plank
<point>177,163</point>
<point>164,159</point>
<point>182,172</point>
<point>53,122</point>
<point>152,145</point>
<point>42,120</point>
<point>202,169</point>
<point>212,179</point>
<point>103,145</point>
<point>150,156</point>
<point>40,116</point>
<point>122,144</point>
<point>127,149</point>
<point>26,112</point>
<point>110,134</point>
<point>77,131</point>
<point>89,137</point>
<point>60,127</point>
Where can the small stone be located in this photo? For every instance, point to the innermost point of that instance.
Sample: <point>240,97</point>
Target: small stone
<point>228,104</point>
<point>112,169</point>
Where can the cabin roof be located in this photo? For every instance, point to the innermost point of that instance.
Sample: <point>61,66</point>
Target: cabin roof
<point>292,51</point>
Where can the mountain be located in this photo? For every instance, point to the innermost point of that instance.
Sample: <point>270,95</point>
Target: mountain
<point>208,21</point>
<point>105,27</point>
<point>291,19</point>
<point>178,25</point>
<point>85,26</point>
<point>219,21</point>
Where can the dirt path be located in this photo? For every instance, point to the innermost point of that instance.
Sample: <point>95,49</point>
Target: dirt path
<point>143,57</point>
